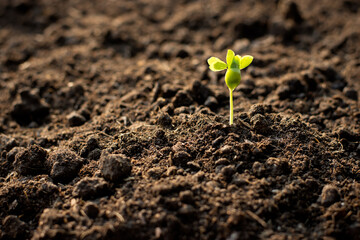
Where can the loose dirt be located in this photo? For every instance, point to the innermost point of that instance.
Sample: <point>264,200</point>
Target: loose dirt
<point>113,127</point>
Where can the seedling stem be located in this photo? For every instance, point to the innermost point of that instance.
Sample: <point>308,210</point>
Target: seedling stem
<point>231,107</point>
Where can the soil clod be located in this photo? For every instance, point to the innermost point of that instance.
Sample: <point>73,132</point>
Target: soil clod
<point>31,161</point>
<point>90,188</point>
<point>115,167</point>
<point>114,127</point>
<point>75,119</point>
<point>30,109</point>
<point>65,165</point>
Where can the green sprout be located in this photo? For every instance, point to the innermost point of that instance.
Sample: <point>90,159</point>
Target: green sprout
<point>232,77</point>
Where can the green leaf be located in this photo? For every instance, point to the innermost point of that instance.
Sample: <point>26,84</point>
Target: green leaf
<point>212,60</point>
<point>237,60</point>
<point>230,57</point>
<point>215,64</point>
<point>245,61</point>
<point>218,66</point>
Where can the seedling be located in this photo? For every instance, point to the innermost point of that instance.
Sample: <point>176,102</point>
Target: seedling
<point>233,76</point>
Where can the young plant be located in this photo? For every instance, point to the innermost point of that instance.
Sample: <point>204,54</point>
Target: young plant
<point>233,76</point>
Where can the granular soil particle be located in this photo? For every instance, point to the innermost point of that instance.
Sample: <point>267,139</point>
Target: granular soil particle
<point>113,127</point>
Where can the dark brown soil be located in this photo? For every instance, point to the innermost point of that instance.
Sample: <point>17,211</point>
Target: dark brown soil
<point>113,127</point>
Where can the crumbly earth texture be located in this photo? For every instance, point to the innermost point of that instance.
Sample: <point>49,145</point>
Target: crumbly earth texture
<point>113,127</point>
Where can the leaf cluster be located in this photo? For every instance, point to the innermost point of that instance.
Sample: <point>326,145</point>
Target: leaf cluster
<point>232,62</point>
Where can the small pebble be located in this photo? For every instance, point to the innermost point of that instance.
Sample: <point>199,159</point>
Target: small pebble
<point>193,165</point>
<point>225,150</point>
<point>258,169</point>
<point>91,210</point>
<point>222,161</point>
<point>186,196</point>
<point>227,172</point>
<point>329,195</point>
<point>351,93</point>
<point>75,119</point>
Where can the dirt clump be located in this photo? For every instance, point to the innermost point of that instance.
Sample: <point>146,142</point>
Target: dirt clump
<point>112,126</point>
<point>115,167</point>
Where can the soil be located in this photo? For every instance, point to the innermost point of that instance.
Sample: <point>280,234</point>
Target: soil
<point>113,127</point>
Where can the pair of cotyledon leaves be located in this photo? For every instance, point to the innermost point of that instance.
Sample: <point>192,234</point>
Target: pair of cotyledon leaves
<point>232,62</point>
